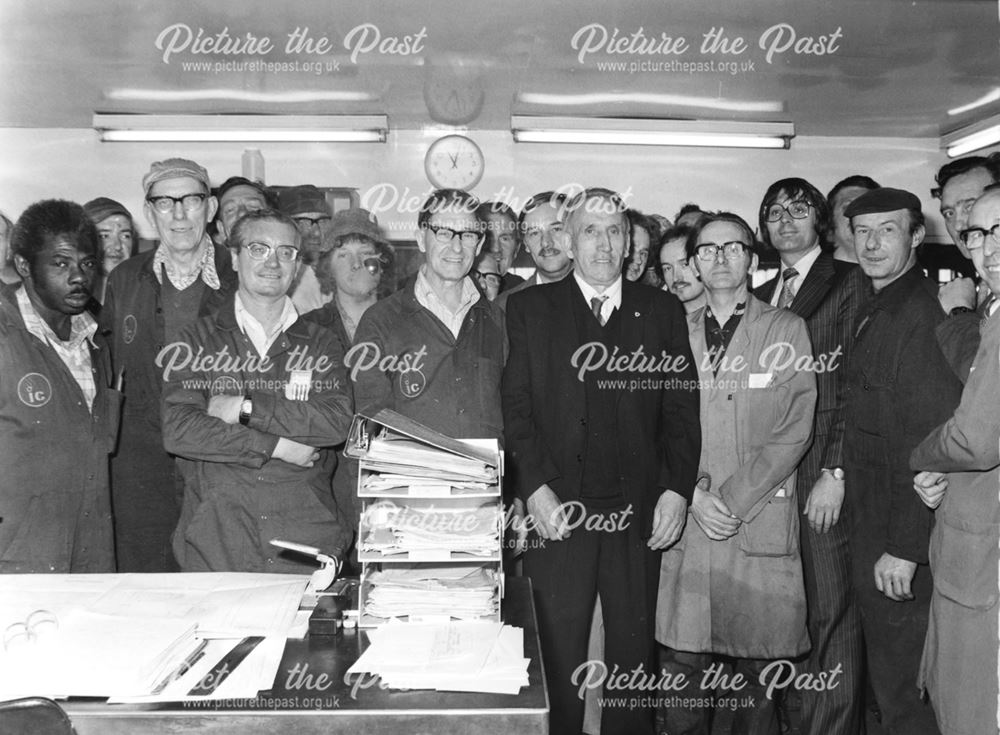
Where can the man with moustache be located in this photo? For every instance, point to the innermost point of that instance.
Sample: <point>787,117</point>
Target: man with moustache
<point>959,184</point>
<point>793,219</point>
<point>446,336</point>
<point>732,586</point>
<point>839,233</point>
<point>149,298</point>
<point>617,452</point>
<point>502,240</point>
<point>58,408</point>
<point>959,473</point>
<point>679,278</point>
<point>257,433</point>
<point>541,227</point>
<point>898,388</point>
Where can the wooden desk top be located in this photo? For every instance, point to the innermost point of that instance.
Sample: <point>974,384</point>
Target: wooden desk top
<point>310,695</point>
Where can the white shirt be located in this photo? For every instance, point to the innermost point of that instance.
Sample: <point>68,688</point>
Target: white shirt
<point>429,300</point>
<point>612,295</point>
<point>254,330</point>
<point>803,266</point>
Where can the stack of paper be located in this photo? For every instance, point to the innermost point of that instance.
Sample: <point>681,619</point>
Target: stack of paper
<point>428,529</point>
<point>392,483</point>
<point>467,657</point>
<point>458,591</point>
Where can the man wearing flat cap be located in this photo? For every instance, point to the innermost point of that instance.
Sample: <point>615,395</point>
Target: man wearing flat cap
<point>117,237</point>
<point>149,298</point>
<point>311,213</point>
<point>899,386</point>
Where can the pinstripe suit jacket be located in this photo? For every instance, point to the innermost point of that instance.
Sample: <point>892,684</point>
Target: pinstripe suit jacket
<point>828,300</point>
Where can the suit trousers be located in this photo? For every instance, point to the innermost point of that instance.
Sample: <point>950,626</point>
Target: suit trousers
<point>567,576</point>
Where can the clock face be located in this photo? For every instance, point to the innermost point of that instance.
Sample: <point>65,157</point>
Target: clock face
<point>454,162</point>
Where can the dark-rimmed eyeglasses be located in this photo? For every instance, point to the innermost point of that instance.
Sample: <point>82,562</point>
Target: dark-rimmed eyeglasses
<point>262,251</point>
<point>799,209</point>
<point>445,235</point>
<point>710,251</point>
<point>311,221</point>
<point>975,237</point>
<point>483,278</point>
<point>190,202</point>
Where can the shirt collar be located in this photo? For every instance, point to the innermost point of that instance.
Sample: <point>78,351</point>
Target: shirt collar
<point>255,330</point>
<point>82,326</point>
<point>612,294</point>
<point>205,268</point>
<point>804,264</point>
<point>424,292</point>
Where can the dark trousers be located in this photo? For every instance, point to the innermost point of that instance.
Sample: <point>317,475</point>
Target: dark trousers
<point>894,638</point>
<point>567,576</point>
<point>834,623</point>
<point>689,713</point>
<point>146,493</point>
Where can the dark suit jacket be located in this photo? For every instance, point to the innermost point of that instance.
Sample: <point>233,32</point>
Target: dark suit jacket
<point>828,300</point>
<point>544,401</point>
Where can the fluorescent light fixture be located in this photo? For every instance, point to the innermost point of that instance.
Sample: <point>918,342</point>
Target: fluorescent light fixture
<point>972,137</point>
<point>646,98</point>
<point>129,94</point>
<point>987,99</point>
<point>637,131</point>
<point>242,128</point>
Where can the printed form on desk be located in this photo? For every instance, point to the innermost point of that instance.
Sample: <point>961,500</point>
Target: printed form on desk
<point>130,635</point>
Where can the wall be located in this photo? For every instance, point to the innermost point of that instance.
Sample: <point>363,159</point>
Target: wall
<point>74,164</point>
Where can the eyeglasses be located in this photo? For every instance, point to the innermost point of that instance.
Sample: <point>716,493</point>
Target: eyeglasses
<point>710,251</point>
<point>799,209</point>
<point>262,251</point>
<point>975,237</point>
<point>165,204</point>
<point>310,221</point>
<point>445,235</point>
<point>493,278</point>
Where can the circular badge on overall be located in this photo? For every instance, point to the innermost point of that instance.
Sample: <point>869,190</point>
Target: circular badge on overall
<point>130,327</point>
<point>34,390</point>
<point>412,382</point>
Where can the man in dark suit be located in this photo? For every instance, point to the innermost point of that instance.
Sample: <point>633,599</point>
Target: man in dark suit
<point>827,294</point>
<point>898,387</point>
<point>600,408</point>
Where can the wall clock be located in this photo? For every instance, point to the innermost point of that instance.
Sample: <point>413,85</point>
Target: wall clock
<point>454,162</point>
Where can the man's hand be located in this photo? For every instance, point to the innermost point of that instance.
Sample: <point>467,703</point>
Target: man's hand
<point>668,520</point>
<point>295,453</point>
<point>893,577</point>
<point>713,515</point>
<point>519,526</point>
<point>547,514</point>
<point>226,408</point>
<point>960,292</point>
<point>931,486</point>
<point>824,503</point>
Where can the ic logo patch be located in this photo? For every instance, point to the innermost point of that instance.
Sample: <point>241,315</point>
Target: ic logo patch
<point>129,328</point>
<point>412,382</point>
<point>34,390</point>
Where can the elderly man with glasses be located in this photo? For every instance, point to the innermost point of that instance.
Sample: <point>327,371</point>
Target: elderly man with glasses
<point>732,587</point>
<point>149,298</point>
<point>254,418</point>
<point>434,350</point>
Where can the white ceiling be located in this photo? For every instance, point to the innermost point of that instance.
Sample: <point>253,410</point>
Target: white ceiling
<point>896,68</point>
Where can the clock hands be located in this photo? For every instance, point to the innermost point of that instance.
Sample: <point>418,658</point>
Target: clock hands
<point>454,160</point>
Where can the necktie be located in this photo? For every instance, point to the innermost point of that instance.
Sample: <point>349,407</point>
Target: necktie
<point>595,306</point>
<point>787,294</point>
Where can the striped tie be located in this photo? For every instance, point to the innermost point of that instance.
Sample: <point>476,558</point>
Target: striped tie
<point>595,306</point>
<point>787,294</point>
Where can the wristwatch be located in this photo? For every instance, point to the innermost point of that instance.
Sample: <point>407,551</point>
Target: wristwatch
<point>246,408</point>
<point>837,472</point>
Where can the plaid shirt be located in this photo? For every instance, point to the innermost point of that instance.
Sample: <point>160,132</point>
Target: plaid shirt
<point>74,352</point>
<point>205,269</point>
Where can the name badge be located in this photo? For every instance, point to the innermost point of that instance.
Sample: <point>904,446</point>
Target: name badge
<point>298,385</point>
<point>760,380</point>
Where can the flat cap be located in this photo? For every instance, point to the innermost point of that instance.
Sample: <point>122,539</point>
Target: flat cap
<point>174,168</point>
<point>883,199</point>
<point>355,221</point>
<point>304,199</point>
<point>101,208</point>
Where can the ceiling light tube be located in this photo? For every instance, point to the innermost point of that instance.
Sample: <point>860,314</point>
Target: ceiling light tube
<point>242,128</point>
<point>972,137</point>
<point>636,131</point>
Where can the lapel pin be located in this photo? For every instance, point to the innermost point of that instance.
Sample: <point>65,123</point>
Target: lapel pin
<point>637,313</point>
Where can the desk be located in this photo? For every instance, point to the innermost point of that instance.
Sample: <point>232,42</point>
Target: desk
<point>325,705</point>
